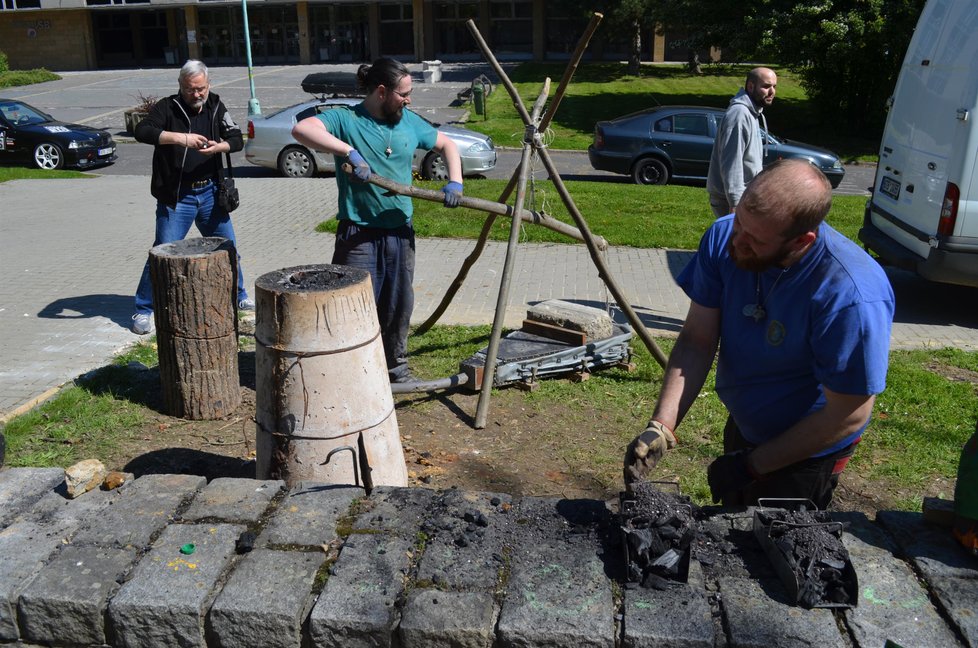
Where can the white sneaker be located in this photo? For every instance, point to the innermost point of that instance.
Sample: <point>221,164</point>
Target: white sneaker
<point>246,304</point>
<point>142,323</point>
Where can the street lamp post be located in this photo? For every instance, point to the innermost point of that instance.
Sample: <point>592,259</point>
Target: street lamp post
<point>253,107</point>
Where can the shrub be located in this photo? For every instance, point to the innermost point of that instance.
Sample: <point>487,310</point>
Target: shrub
<point>4,65</point>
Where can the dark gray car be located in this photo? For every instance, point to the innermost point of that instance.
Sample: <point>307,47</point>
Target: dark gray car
<point>660,144</point>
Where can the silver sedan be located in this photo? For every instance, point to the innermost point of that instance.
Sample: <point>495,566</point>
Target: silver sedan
<point>270,144</point>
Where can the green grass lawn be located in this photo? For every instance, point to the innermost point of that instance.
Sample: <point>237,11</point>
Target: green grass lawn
<point>601,91</point>
<point>670,216</point>
<point>30,173</point>
<point>13,78</point>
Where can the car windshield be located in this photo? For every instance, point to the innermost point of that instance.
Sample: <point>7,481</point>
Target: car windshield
<point>20,114</point>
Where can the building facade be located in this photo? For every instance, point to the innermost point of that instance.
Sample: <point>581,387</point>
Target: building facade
<point>104,34</point>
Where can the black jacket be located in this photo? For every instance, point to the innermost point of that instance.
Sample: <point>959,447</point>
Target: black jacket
<point>169,115</point>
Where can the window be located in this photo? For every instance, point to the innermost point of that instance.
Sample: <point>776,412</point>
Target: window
<point>20,4</point>
<point>691,125</point>
<point>664,125</point>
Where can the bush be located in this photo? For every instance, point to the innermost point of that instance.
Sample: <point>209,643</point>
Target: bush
<point>4,66</point>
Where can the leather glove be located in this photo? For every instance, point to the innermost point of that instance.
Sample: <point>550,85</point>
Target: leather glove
<point>730,473</point>
<point>453,193</point>
<point>361,170</point>
<point>645,451</point>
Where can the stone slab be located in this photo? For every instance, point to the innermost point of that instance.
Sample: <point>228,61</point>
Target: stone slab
<point>307,515</point>
<point>24,547</point>
<point>435,619</point>
<point>21,487</point>
<point>757,615</point>
<point>65,604</point>
<point>397,510</point>
<point>165,601</point>
<point>56,511</point>
<point>893,606</point>
<point>931,547</point>
<point>959,598</point>
<point>467,537</point>
<point>557,593</point>
<point>679,617</point>
<point>357,607</point>
<point>265,601</point>
<point>595,323</point>
<point>139,511</point>
<point>233,500</point>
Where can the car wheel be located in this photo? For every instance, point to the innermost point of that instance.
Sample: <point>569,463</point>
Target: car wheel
<point>296,162</point>
<point>433,167</point>
<point>650,171</point>
<point>48,156</point>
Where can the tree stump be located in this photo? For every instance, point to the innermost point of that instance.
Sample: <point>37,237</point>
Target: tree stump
<point>194,289</point>
<point>324,409</point>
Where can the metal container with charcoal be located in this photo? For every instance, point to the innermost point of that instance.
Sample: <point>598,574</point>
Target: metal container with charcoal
<point>657,533</point>
<point>805,548</point>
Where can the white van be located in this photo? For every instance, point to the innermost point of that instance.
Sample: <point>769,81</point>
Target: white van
<point>923,214</point>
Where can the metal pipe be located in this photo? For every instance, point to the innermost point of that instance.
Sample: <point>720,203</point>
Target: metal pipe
<point>438,384</point>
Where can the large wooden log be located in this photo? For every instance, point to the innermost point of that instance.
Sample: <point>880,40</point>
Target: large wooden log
<point>194,291</point>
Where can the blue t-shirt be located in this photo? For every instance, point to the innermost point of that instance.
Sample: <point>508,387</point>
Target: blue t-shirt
<point>365,204</point>
<point>828,320</point>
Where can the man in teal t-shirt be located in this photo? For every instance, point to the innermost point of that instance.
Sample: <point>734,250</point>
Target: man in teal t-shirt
<point>375,233</point>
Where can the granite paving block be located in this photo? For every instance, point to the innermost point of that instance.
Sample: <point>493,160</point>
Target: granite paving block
<point>21,487</point>
<point>24,548</point>
<point>932,548</point>
<point>959,598</point>
<point>357,607</point>
<point>265,601</point>
<point>678,617</point>
<point>139,511</point>
<point>233,500</point>
<point>757,615</point>
<point>65,604</point>
<point>171,588</point>
<point>396,510</point>
<point>435,619</point>
<point>56,510</point>
<point>557,593</point>
<point>308,514</point>
<point>467,536</point>
<point>893,606</point>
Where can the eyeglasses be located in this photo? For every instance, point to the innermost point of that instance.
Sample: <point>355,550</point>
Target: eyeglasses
<point>402,95</point>
<point>194,91</point>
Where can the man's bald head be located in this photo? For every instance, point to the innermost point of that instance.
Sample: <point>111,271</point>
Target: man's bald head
<point>793,192</point>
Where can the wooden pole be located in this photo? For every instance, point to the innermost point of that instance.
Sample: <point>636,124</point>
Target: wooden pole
<point>194,288</point>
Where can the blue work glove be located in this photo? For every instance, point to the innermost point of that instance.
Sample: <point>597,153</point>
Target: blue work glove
<point>730,473</point>
<point>361,170</point>
<point>453,193</point>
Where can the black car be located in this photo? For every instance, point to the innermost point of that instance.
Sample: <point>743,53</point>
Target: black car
<point>31,135</point>
<point>657,145</point>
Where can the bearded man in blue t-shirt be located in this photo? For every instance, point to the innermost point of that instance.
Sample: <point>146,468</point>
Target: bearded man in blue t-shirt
<point>375,233</point>
<point>801,316</point>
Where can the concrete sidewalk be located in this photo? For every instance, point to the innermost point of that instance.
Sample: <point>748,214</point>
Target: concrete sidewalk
<point>66,298</point>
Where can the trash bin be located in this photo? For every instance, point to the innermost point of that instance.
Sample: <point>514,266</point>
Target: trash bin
<point>478,99</point>
<point>431,71</point>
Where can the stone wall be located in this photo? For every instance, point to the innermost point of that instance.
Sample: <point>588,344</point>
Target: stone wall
<point>56,40</point>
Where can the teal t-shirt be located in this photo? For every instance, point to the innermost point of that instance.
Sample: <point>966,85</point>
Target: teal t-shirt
<point>365,204</point>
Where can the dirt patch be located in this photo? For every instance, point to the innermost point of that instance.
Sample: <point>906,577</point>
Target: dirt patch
<point>955,374</point>
<point>528,447</point>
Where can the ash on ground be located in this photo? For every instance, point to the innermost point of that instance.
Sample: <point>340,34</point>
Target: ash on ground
<point>658,530</point>
<point>811,546</point>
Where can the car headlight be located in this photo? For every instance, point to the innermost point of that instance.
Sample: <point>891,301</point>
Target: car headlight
<point>77,144</point>
<point>479,147</point>
<point>837,164</point>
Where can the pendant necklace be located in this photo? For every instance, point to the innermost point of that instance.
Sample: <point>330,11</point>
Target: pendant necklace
<point>390,133</point>
<point>757,310</point>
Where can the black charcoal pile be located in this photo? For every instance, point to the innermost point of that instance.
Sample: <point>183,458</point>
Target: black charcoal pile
<point>811,545</point>
<point>658,529</point>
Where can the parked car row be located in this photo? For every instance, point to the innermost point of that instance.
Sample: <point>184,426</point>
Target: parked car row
<point>667,143</point>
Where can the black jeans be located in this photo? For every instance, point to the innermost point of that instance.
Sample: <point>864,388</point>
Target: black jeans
<point>813,479</point>
<point>388,255</point>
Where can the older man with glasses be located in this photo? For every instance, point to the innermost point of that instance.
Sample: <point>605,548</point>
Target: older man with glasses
<point>190,131</point>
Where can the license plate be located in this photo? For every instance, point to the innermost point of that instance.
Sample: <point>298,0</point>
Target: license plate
<point>105,151</point>
<point>890,187</point>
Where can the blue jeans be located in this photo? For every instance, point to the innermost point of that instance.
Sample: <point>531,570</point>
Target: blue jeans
<point>172,224</point>
<point>388,255</point>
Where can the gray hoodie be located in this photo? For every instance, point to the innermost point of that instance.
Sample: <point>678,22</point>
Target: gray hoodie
<point>738,152</point>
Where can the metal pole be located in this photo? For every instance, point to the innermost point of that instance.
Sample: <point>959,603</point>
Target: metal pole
<point>253,107</point>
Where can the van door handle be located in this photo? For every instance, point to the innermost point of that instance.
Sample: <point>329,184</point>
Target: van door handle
<point>909,188</point>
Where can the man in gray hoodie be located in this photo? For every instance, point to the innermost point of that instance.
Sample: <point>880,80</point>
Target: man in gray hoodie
<point>738,151</point>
